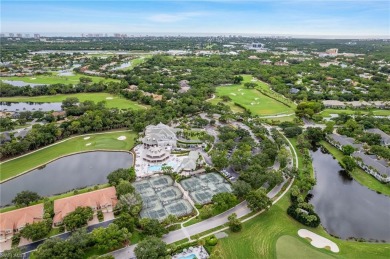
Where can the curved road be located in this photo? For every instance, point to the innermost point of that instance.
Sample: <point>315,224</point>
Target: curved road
<point>241,210</point>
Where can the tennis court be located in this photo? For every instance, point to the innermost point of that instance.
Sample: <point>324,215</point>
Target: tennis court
<point>202,188</point>
<point>179,208</point>
<point>160,198</point>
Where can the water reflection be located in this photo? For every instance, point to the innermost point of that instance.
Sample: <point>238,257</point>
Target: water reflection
<point>348,209</point>
<point>66,174</point>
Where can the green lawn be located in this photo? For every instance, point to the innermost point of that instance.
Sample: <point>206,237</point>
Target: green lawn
<point>107,141</point>
<point>378,112</point>
<point>259,237</point>
<point>253,99</point>
<point>233,107</point>
<point>295,247</point>
<point>358,174</point>
<point>112,101</point>
<point>137,61</point>
<point>56,79</point>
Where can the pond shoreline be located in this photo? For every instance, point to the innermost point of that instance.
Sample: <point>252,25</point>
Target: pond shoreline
<point>70,154</point>
<point>66,173</point>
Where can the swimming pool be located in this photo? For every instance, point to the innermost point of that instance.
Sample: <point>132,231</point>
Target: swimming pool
<point>191,256</point>
<point>155,168</point>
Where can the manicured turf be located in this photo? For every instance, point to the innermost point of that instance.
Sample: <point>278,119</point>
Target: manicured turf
<point>107,140</point>
<point>253,99</point>
<point>295,247</point>
<point>56,79</point>
<point>137,61</point>
<point>259,237</point>
<point>378,112</point>
<point>358,174</point>
<point>112,101</point>
<point>233,107</point>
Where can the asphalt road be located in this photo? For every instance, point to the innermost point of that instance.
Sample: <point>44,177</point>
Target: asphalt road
<point>241,210</point>
<point>27,249</point>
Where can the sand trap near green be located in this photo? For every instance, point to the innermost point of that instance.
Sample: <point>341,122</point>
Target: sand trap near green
<point>288,247</point>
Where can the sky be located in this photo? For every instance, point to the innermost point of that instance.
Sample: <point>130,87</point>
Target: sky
<point>340,18</point>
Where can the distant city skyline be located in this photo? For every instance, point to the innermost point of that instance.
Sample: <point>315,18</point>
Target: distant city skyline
<point>295,18</point>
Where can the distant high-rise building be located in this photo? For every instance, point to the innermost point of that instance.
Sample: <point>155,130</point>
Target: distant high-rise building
<point>2,35</point>
<point>11,35</point>
<point>117,35</point>
<point>19,35</point>
<point>37,36</point>
<point>27,35</point>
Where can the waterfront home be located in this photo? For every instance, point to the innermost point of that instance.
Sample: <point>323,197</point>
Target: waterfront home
<point>104,200</point>
<point>378,168</point>
<point>14,221</point>
<point>339,141</point>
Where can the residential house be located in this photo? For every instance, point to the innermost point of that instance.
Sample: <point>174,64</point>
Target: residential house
<point>385,137</point>
<point>184,86</point>
<point>104,200</point>
<point>294,90</point>
<point>378,168</point>
<point>339,141</point>
<point>13,221</point>
<point>333,104</point>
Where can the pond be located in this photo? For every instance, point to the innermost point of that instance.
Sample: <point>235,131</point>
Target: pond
<point>346,208</point>
<point>29,106</point>
<point>67,173</point>
<point>122,66</point>
<point>19,83</point>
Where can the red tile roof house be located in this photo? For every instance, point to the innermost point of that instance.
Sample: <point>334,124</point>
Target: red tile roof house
<point>12,222</point>
<point>104,200</point>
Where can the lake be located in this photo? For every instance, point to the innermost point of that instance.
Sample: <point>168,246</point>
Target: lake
<point>19,83</point>
<point>67,173</point>
<point>30,106</point>
<point>346,208</point>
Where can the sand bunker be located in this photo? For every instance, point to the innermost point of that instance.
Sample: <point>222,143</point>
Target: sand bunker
<point>318,241</point>
<point>88,144</point>
<point>33,78</point>
<point>87,138</point>
<point>109,98</point>
<point>121,138</point>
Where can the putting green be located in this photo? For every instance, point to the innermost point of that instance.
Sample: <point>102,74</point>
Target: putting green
<point>291,247</point>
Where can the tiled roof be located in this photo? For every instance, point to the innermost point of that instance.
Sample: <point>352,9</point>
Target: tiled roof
<point>16,219</point>
<point>103,197</point>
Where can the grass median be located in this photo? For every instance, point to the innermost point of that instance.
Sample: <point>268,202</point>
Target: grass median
<point>102,141</point>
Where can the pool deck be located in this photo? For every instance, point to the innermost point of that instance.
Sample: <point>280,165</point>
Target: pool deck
<point>192,252</point>
<point>142,167</point>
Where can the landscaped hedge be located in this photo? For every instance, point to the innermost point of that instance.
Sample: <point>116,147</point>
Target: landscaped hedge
<point>292,211</point>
